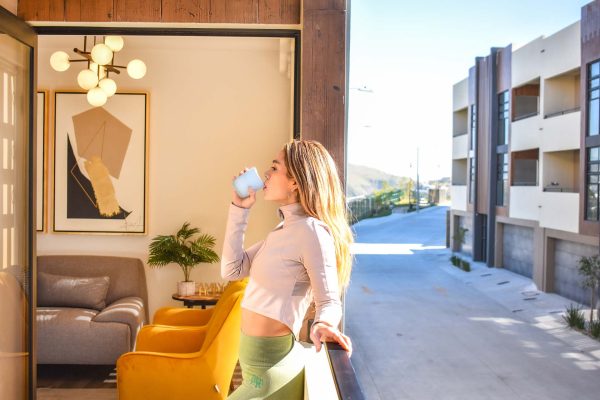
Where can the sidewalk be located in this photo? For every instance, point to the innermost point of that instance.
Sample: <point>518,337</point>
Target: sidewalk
<point>423,329</point>
<point>520,296</point>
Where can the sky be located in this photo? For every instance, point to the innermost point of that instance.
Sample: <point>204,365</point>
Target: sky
<point>405,55</point>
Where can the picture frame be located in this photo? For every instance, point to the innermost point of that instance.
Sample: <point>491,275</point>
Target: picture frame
<point>101,164</point>
<point>42,97</point>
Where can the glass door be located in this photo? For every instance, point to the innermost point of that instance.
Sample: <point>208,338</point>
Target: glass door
<point>17,247</point>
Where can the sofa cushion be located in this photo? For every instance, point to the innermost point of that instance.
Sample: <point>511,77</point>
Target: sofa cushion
<point>70,291</point>
<point>67,335</point>
<point>128,310</point>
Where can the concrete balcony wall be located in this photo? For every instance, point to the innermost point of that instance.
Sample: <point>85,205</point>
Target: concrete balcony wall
<point>561,93</point>
<point>526,62</point>
<point>561,132</point>
<point>460,94</point>
<point>525,202</point>
<point>560,211</point>
<point>526,133</point>
<point>460,122</point>
<point>460,147</point>
<point>459,197</point>
<point>560,170</point>
<point>562,51</point>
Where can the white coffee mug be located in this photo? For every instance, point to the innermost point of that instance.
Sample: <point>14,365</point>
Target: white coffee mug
<point>249,178</point>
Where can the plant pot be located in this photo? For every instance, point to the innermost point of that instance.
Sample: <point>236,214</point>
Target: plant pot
<point>186,288</point>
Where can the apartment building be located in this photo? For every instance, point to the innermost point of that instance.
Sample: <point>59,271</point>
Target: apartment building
<point>526,156</point>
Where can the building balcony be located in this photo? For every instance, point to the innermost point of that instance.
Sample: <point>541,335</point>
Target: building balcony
<point>561,131</point>
<point>525,133</point>
<point>459,197</point>
<point>460,146</point>
<point>525,202</point>
<point>560,210</point>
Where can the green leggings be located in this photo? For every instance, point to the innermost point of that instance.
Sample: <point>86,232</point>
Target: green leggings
<point>272,368</point>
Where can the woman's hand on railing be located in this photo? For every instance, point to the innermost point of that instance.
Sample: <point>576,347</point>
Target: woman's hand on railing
<point>321,332</point>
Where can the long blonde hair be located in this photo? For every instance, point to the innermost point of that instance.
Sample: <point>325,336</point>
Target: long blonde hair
<point>321,196</point>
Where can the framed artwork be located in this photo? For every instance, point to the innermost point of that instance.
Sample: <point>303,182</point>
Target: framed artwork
<point>41,138</point>
<point>100,164</point>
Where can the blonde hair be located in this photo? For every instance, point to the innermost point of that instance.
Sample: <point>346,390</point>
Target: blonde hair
<point>321,196</point>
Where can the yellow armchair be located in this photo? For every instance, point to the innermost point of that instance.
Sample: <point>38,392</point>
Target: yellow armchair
<point>184,339</point>
<point>204,374</point>
<point>177,316</point>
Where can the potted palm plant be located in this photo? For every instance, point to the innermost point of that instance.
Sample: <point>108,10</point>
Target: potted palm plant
<point>184,250</point>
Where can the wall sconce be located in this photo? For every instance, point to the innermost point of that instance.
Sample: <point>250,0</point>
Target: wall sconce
<point>100,63</point>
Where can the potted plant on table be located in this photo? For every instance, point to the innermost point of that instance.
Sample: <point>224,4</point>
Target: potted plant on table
<point>184,250</point>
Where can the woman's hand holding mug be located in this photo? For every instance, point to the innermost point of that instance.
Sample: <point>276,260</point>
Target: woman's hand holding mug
<point>246,182</point>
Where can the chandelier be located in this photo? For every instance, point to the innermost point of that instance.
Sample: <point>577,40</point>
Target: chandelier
<point>100,64</point>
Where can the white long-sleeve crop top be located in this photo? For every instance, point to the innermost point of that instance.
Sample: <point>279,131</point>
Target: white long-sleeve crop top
<point>293,265</point>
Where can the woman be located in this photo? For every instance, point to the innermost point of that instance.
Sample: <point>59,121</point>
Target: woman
<point>305,258</point>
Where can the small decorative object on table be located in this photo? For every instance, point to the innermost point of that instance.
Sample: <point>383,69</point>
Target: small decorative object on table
<point>184,251</point>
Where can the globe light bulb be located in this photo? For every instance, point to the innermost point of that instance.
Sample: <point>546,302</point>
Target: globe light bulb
<point>94,67</point>
<point>87,79</point>
<point>115,43</point>
<point>96,97</point>
<point>136,69</point>
<point>108,85</point>
<point>59,60</point>
<point>101,54</point>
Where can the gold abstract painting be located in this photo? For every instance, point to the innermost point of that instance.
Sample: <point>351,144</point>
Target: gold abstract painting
<point>100,163</point>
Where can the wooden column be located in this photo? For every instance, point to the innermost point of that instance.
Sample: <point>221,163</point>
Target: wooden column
<point>323,115</point>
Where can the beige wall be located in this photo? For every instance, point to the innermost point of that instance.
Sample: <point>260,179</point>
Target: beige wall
<point>10,5</point>
<point>460,147</point>
<point>526,62</point>
<point>561,167</point>
<point>460,94</point>
<point>562,51</point>
<point>216,105</point>
<point>561,93</point>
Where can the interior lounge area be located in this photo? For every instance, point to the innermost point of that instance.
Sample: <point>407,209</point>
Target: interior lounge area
<point>121,126</point>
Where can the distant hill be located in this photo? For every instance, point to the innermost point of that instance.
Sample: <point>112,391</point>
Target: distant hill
<point>365,180</point>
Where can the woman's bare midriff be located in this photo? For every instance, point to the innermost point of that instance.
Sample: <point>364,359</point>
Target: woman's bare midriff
<point>254,324</point>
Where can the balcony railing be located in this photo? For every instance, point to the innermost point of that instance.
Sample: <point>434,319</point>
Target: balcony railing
<point>329,375</point>
<point>524,116</point>
<point>343,372</point>
<point>563,112</point>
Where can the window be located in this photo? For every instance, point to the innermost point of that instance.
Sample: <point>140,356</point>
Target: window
<point>502,179</point>
<point>593,95</point>
<point>503,121</point>
<point>473,127</point>
<point>471,179</point>
<point>592,172</point>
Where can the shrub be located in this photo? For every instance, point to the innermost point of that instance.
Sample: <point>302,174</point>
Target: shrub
<point>589,268</point>
<point>465,265</point>
<point>594,327</point>
<point>574,317</point>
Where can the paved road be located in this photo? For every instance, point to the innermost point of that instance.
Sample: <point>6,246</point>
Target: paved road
<point>423,329</point>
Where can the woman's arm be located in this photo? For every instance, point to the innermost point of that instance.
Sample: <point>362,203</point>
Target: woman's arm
<point>235,261</point>
<point>318,252</point>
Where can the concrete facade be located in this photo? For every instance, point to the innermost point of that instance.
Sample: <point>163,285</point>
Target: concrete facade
<point>538,228</point>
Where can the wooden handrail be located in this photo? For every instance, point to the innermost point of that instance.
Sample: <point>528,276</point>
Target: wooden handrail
<point>343,372</point>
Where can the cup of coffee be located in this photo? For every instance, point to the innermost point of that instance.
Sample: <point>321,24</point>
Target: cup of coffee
<point>249,178</point>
